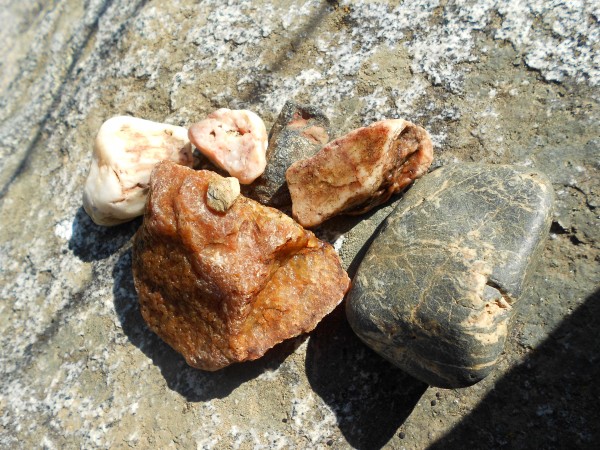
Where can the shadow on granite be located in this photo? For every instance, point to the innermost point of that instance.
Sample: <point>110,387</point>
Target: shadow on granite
<point>91,242</point>
<point>70,74</point>
<point>193,384</point>
<point>370,397</point>
<point>359,232</point>
<point>550,400</point>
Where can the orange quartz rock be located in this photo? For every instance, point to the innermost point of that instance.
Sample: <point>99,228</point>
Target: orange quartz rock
<point>225,286</point>
<point>358,171</point>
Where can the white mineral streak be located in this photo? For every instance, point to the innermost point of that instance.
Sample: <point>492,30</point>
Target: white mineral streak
<point>234,140</point>
<point>125,152</point>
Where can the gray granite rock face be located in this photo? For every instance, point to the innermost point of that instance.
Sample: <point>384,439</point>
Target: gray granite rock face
<point>299,132</point>
<point>437,288</point>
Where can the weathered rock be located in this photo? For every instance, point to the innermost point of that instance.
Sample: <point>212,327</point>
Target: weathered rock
<point>299,133</point>
<point>358,171</point>
<point>224,287</point>
<point>437,288</point>
<point>125,152</point>
<point>234,140</point>
<point>221,193</point>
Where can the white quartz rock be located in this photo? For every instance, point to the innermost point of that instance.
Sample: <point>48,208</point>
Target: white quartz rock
<point>125,152</point>
<point>234,140</point>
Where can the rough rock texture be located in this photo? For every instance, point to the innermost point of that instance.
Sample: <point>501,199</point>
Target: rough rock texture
<point>299,132</point>
<point>358,171</point>
<point>221,193</point>
<point>437,288</point>
<point>234,140</point>
<point>126,150</point>
<point>80,367</point>
<point>225,287</point>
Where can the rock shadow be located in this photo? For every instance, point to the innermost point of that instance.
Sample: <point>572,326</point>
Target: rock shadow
<point>370,397</point>
<point>91,242</point>
<point>550,400</point>
<point>193,384</point>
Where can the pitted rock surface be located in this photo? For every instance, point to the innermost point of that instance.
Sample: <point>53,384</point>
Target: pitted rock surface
<point>233,140</point>
<point>438,286</point>
<point>224,287</point>
<point>299,132</point>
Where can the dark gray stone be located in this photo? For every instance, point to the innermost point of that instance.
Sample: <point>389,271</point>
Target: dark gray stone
<point>437,288</point>
<point>299,133</point>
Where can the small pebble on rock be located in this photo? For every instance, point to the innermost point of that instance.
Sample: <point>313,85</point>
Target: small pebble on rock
<point>221,193</point>
<point>437,288</point>
<point>234,140</point>
<point>358,171</point>
<point>125,152</point>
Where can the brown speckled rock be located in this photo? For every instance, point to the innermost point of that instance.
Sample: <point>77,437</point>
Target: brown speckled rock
<point>224,287</point>
<point>437,288</point>
<point>358,171</point>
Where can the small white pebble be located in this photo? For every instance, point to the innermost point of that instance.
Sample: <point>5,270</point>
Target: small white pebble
<point>125,152</point>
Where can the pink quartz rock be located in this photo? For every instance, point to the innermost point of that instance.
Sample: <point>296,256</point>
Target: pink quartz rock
<point>234,140</point>
<point>358,171</point>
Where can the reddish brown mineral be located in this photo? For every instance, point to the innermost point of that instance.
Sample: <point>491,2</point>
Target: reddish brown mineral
<point>224,287</point>
<point>358,171</point>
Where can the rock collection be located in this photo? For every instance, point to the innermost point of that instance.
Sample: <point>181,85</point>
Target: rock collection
<point>223,287</point>
<point>438,286</point>
<point>222,278</point>
<point>125,152</point>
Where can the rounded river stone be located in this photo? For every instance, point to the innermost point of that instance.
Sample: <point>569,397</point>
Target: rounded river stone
<point>436,289</point>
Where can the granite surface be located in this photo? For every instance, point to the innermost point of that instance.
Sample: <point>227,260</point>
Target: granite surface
<point>512,81</point>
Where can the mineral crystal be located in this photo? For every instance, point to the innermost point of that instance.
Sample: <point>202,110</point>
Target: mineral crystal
<point>234,140</point>
<point>224,287</point>
<point>358,171</point>
<point>125,152</point>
